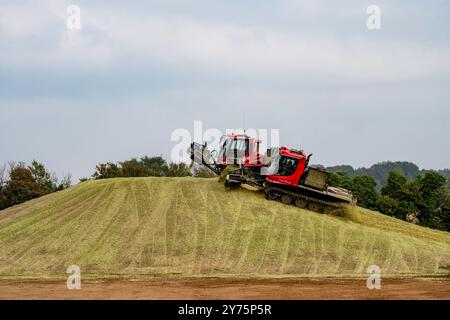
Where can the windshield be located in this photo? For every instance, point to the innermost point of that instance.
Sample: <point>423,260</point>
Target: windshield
<point>287,166</point>
<point>235,148</point>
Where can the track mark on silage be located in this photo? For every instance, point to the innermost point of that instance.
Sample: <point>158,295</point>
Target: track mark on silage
<point>37,233</point>
<point>228,263</point>
<point>286,245</point>
<point>220,244</point>
<point>72,227</point>
<point>196,242</point>
<point>104,227</point>
<point>340,248</point>
<point>152,226</point>
<point>268,239</point>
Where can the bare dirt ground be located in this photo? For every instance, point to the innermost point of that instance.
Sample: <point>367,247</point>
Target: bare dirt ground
<point>230,289</point>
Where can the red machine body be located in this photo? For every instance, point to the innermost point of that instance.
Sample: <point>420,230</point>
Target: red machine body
<point>292,166</point>
<point>239,149</point>
<point>282,173</point>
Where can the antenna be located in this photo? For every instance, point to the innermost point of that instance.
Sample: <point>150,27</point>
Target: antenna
<point>243,120</point>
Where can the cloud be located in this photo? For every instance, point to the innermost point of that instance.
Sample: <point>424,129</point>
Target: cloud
<point>110,37</point>
<point>139,70</point>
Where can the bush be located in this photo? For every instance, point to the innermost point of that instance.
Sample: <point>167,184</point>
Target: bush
<point>134,169</point>
<point>388,206</point>
<point>178,170</point>
<point>143,167</point>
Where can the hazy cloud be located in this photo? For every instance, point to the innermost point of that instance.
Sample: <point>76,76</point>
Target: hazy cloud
<point>136,71</point>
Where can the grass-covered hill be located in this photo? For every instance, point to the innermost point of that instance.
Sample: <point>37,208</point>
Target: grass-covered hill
<point>141,228</point>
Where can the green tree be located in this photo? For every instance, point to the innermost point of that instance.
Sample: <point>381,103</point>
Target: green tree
<point>107,170</point>
<point>3,200</point>
<point>403,192</point>
<point>388,206</point>
<point>22,186</point>
<point>364,191</point>
<point>157,165</point>
<point>431,183</point>
<point>443,212</point>
<point>134,168</point>
<point>143,167</point>
<point>432,186</point>
<point>47,180</point>
<point>25,183</point>
<point>380,171</point>
<point>340,179</point>
<point>396,186</point>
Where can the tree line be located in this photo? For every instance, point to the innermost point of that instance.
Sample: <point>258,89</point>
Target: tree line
<point>424,200</point>
<point>380,171</point>
<point>21,183</point>
<point>148,167</point>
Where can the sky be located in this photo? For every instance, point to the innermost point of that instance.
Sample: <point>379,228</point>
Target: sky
<point>137,71</point>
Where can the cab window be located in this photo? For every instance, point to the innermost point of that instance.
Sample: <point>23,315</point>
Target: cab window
<point>287,166</point>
